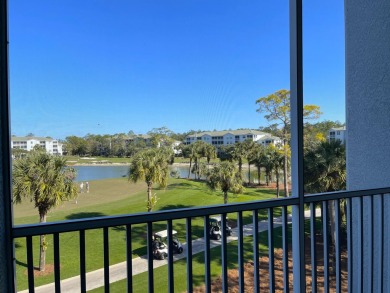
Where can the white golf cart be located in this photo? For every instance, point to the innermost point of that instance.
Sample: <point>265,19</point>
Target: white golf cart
<point>160,247</point>
<point>215,228</point>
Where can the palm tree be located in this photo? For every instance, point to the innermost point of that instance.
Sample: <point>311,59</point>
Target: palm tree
<point>268,164</point>
<point>257,158</point>
<point>210,152</point>
<point>325,171</point>
<point>239,153</point>
<point>189,151</point>
<point>45,180</point>
<point>151,166</point>
<point>198,151</point>
<point>325,168</point>
<point>226,177</point>
<point>249,146</point>
<point>276,157</point>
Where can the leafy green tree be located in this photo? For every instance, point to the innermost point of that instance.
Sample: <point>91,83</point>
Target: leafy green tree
<point>117,144</point>
<point>45,180</point>
<point>151,166</point>
<point>315,133</point>
<point>76,145</point>
<point>277,108</point>
<point>134,146</point>
<point>226,177</point>
<point>161,136</point>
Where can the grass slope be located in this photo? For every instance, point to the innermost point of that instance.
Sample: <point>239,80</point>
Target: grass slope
<point>115,197</point>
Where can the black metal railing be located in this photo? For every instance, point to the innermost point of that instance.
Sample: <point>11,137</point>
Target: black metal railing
<point>335,270</point>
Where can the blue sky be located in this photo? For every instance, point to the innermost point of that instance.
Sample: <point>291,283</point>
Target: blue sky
<point>79,67</point>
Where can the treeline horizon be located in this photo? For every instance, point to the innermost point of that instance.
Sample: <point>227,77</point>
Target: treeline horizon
<point>115,144</point>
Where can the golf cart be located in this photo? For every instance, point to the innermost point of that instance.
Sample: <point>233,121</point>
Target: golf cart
<point>215,228</point>
<point>160,247</point>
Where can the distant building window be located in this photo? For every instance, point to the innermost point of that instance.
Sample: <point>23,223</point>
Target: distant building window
<point>338,132</point>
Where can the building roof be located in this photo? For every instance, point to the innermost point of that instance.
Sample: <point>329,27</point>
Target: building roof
<point>138,136</point>
<point>233,132</point>
<point>27,138</point>
<point>338,128</point>
<point>270,136</point>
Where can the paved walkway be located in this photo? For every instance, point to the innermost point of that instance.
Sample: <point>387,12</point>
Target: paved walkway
<point>95,279</point>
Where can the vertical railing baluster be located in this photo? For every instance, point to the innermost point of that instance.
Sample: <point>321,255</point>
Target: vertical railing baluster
<point>313,247</point>
<point>171,285</point>
<point>57,279</point>
<point>256,255</point>
<point>361,245</point>
<point>189,254</point>
<point>240,225</point>
<point>381,275</point>
<point>207,270</point>
<point>271,253</point>
<point>129,259</point>
<point>349,243</point>
<point>106,260</point>
<point>285,250</point>
<point>372,243</point>
<point>30,264</point>
<point>337,245</point>
<point>83,281</point>
<point>325,244</point>
<point>150,257</point>
<point>224,254</point>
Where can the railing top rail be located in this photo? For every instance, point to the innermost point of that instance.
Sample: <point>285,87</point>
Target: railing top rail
<point>344,194</point>
<point>139,218</point>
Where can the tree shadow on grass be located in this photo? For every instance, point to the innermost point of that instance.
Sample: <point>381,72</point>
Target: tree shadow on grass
<point>119,229</point>
<point>271,192</point>
<point>84,215</point>
<point>19,263</point>
<point>182,185</point>
<point>174,207</point>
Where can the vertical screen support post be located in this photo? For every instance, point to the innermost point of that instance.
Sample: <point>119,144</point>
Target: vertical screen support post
<point>296,96</point>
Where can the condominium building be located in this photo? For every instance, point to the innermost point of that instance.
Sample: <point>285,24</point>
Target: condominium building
<point>228,137</point>
<point>338,133</point>
<point>52,146</point>
<point>140,137</point>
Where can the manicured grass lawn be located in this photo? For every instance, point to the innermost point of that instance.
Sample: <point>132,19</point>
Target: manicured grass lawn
<point>114,197</point>
<point>140,282</point>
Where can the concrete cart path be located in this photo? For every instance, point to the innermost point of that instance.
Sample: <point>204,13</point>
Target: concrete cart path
<point>95,279</point>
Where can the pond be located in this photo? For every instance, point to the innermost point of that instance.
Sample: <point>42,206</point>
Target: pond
<point>87,173</point>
